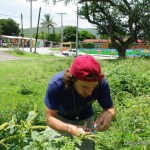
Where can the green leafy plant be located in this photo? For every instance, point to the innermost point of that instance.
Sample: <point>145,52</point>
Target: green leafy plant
<point>19,52</point>
<point>28,136</point>
<point>24,90</point>
<point>129,81</point>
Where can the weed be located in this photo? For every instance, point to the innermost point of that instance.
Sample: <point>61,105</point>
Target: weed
<point>24,90</point>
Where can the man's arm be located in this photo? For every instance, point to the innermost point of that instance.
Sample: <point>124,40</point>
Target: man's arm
<point>111,111</point>
<point>59,125</point>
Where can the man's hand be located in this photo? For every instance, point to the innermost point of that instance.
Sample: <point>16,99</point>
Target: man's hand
<point>77,130</point>
<point>103,122</point>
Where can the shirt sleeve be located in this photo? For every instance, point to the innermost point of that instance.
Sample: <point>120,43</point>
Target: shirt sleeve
<point>104,97</point>
<point>51,98</point>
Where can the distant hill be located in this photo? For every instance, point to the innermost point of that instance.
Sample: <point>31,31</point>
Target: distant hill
<point>57,30</point>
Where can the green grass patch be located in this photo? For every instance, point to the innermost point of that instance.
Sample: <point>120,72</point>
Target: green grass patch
<point>26,81</point>
<point>23,85</point>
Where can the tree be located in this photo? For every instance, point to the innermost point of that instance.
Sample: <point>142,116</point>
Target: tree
<point>50,37</point>
<point>48,22</point>
<point>83,34</point>
<point>69,34</point>
<point>9,27</point>
<point>124,21</point>
<point>1,29</point>
<point>53,37</point>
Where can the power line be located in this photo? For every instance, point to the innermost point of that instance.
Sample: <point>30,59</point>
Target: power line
<point>9,15</point>
<point>27,17</point>
<point>8,11</point>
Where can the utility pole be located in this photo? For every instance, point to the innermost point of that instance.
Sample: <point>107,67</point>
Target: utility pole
<point>30,23</point>
<point>61,28</point>
<point>77,34</point>
<point>22,32</point>
<point>31,26</point>
<point>37,29</point>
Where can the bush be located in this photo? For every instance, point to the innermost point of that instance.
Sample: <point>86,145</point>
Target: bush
<point>24,90</point>
<point>19,52</point>
<point>88,45</point>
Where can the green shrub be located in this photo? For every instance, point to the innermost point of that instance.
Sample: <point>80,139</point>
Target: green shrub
<point>24,90</point>
<point>129,81</point>
<point>19,52</point>
<point>88,45</point>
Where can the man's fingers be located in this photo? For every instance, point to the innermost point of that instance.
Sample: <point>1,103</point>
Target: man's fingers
<point>104,125</point>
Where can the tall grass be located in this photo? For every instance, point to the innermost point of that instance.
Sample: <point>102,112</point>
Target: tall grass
<point>25,81</point>
<point>23,84</point>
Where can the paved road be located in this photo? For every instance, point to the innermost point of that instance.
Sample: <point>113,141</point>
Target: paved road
<point>41,50</point>
<point>46,50</point>
<point>5,56</point>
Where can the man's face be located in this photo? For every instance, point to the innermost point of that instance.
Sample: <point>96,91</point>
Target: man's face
<point>84,88</point>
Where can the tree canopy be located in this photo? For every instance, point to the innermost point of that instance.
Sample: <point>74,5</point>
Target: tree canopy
<point>83,34</point>
<point>124,21</point>
<point>70,34</point>
<point>9,27</point>
<point>48,22</point>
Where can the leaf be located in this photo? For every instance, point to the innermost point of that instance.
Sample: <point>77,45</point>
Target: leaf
<point>3,126</point>
<point>36,136</point>
<point>31,116</point>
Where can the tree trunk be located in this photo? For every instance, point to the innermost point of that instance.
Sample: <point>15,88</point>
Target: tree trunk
<point>121,53</point>
<point>48,30</point>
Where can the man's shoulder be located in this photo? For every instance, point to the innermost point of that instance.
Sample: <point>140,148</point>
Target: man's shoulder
<point>103,85</point>
<point>57,77</point>
<point>103,82</point>
<point>56,82</point>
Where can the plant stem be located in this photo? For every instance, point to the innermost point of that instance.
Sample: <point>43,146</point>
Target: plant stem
<point>9,138</point>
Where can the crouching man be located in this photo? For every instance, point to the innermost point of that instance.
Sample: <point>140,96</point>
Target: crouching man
<point>69,99</point>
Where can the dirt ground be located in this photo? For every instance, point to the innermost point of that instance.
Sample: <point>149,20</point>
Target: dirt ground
<point>5,56</point>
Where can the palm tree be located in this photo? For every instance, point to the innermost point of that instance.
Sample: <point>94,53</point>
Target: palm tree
<point>48,22</point>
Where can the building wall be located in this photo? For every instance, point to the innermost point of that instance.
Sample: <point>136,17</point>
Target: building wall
<point>140,45</point>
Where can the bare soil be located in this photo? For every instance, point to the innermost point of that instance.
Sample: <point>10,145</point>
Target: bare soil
<point>5,56</point>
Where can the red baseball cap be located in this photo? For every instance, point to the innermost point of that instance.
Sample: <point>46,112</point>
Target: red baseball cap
<point>85,65</point>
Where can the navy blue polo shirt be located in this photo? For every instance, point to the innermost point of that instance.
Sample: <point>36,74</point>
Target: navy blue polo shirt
<point>70,104</point>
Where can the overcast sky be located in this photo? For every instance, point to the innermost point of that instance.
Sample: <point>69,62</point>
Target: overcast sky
<point>13,9</point>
